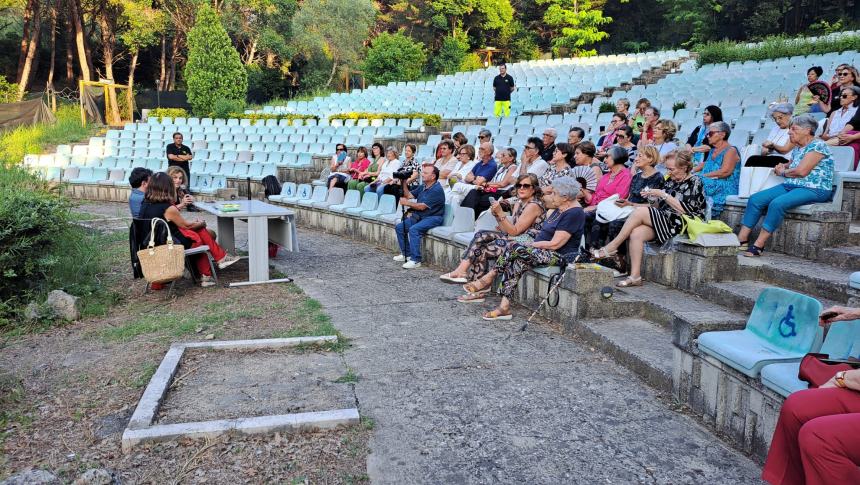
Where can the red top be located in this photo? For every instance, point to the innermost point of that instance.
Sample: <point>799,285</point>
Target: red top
<point>619,185</point>
<point>359,166</point>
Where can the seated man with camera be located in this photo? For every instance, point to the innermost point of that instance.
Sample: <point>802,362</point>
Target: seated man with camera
<point>424,213</point>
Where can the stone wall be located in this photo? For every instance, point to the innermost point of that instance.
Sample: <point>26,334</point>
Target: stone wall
<point>689,266</point>
<point>851,199</point>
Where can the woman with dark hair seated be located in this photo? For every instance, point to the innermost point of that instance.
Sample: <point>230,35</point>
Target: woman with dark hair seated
<point>369,174</point>
<point>360,164</point>
<point>159,201</point>
<point>808,179</point>
<point>697,142</point>
<point>459,139</point>
<point>527,213</point>
<point>624,139</point>
<point>557,241</point>
<point>615,182</point>
<point>807,99</point>
<point>682,194</point>
<point>560,165</point>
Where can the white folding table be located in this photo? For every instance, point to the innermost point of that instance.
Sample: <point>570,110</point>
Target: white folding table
<point>265,222</point>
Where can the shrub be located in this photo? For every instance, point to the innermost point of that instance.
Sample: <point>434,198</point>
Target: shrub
<point>678,105</point>
<point>394,57</point>
<point>264,83</point>
<point>450,56</point>
<point>606,107</point>
<point>255,117</point>
<point>8,91</point>
<point>228,108</point>
<point>472,62</point>
<point>161,113</point>
<point>431,120</point>
<point>214,71</point>
<point>772,48</point>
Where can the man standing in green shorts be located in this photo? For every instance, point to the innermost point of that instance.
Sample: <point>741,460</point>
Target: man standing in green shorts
<point>503,86</point>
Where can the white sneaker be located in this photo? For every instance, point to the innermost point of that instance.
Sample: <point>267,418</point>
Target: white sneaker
<point>411,264</point>
<point>399,258</point>
<point>206,281</point>
<point>227,261</point>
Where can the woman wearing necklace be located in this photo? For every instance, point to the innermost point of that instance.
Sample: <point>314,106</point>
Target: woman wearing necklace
<point>682,194</point>
<point>840,117</point>
<point>558,239</point>
<point>559,165</point>
<point>664,133</point>
<point>721,169</point>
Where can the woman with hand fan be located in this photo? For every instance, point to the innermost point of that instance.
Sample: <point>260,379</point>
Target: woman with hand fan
<point>559,165</point>
<point>814,95</point>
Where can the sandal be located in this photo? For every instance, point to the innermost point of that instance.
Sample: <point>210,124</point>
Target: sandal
<point>753,251</point>
<point>629,281</point>
<point>742,245</point>
<point>602,253</point>
<point>447,278</point>
<point>472,288</point>
<point>497,315</point>
<point>472,298</point>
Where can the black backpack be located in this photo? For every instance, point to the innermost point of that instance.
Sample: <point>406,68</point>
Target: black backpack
<point>271,185</point>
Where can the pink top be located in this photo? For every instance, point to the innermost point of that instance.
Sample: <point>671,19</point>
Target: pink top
<point>619,185</point>
<point>361,165</point>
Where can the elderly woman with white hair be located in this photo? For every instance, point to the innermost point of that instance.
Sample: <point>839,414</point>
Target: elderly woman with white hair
<point>557,241</point>
<point>808,179</point>
<point>777,143</point>
<point>720,172</point>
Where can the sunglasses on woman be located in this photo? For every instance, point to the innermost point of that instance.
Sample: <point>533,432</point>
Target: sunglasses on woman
<point>523,186</point>
<point>844,73</point>
<point>845,96</point>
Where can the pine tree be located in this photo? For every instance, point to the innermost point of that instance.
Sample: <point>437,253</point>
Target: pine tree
<point>214,70</point>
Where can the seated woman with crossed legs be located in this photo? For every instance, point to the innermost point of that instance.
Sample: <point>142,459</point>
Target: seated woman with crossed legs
<point>682,194</point>
<point>557,240</point>
<point>486,246</point>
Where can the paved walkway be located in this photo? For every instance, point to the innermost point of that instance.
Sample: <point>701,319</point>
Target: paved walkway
<point>456,399</point>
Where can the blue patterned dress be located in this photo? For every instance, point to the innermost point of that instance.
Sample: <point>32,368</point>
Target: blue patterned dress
<point>719,189</point>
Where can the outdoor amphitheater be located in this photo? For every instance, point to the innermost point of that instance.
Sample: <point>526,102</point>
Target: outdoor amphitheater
<point>594,378</point>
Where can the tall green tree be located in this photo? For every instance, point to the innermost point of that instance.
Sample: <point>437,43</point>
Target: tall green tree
<point>213,71</point>
<point>577,25</point>
<point>333,29</point>
<point>142,26</point>
<point>394,57</point>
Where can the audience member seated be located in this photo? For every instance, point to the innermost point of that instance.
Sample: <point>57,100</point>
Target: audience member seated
<point>481,173</point>
<point>340,160</point>
<point>622,106</point>
<point>411,164</point>
<point>549,136</point>
<point>682,194</point>
<point>527,216</point>
<point>560,165</point>
<point>583,155</point>
<point>615,182</point>
<point>808,180</point>
<point>652,116</point>
<point>179,155</point>
<point>806,100</point>
<point>459,139</point>
<point>425,212</point>
<point>160,202</point>
<point>138,180</point>
<point>446,160</point>
<point>531,161</point>
<point>183,198</point>
<point>777,146</point>
<point>360,164</point>
<point>721,170</point>
<point>608,137</point>
<point>498,187</point>
<point>637,119</point>
<point>485,136</point>
<point>385,178</point>
<point>663,135</point>
<point>574,136</point>
<point>848,100</point>
<point>846,75</point>
<point>697,142</point>
<point>555,244</point>
<point>624,139</point>
<point>818,432</point>
<point>369,174</point>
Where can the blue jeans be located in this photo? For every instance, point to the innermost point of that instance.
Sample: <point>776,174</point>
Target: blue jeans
<point>380,189</point>
<point>416,231</point>
<point>777,200</point>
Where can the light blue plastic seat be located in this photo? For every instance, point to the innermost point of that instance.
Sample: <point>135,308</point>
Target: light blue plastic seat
<point>782,327</point>
<point>303,191</point>
<point>318,195</point>
<point>351,200</point>
<point>841,342</point>
<point>854,280</point>
<point>368,203</point>
<point>387,205</point>
<point>287,190</point>
<point>463,221</point>
<point>334,197</point>
<point>485,222</point>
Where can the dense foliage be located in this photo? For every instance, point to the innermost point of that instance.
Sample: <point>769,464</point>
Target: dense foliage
<point>431,120</point>
<point>772,48</point>
<point>214,72</point>
<point>393,57</point>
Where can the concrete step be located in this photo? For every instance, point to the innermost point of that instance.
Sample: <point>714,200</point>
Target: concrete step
<point>854,234</point>
<point>642,346</point>
<point>685,314</point>
<point>741,295</point>
<point>816,279</point>
<point>847,257</point>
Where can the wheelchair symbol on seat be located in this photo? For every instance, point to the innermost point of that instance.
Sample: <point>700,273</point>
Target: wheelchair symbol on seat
<point>788,322</point>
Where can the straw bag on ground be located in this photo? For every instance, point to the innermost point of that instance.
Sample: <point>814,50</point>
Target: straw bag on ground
<point>165,263</point>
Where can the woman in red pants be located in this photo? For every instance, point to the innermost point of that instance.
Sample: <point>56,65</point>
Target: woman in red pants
<point>817,437</point>
<point>159,202</point>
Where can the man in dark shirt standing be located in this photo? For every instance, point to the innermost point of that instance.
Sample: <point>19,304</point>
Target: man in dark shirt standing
<point>503,86</point>
<point>179,155</point>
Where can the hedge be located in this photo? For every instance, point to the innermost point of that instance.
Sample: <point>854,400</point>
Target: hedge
<point>772,48</point>
<point>429,119</point>
<point>161,113</point>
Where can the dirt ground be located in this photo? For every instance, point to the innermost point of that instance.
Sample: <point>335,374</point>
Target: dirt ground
<point>67,393</point>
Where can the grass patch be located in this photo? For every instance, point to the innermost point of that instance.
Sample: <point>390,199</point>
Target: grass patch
<point>13,413</point>
<point>180,323</point>
<point>350,376</point>
<point>142,378</point>
<point>26,140</point>
<point>309,320</point>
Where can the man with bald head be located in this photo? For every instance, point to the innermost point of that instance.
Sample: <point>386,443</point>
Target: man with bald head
<point>549,136</point>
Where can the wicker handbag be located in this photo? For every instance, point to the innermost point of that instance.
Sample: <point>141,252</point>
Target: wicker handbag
<point>161,264</point>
